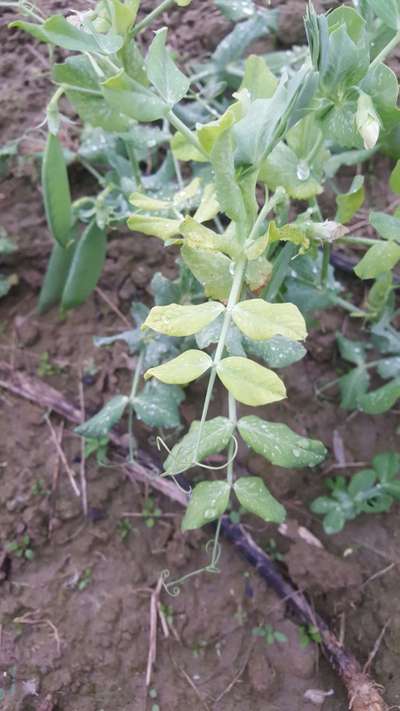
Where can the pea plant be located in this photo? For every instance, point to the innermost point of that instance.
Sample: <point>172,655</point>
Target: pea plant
<point>247,267</point>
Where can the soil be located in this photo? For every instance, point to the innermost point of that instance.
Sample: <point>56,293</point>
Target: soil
<point>74,620</point>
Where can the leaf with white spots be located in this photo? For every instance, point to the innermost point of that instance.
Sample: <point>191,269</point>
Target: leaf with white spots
<point>181,370</point>
<point>207,503</point>
<point>254,496</point>
<point>215,436</point>
<point>280,445</point>
<point>100,425</point>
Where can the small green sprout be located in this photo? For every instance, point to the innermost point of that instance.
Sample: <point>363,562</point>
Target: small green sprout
<point>21,547</point>
<point>269,634</point>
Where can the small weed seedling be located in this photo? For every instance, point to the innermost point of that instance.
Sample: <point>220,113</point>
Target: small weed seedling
<point>308,634</point>
<point>84,580</point>
<point>269,634</point>
<point>21,547</point>
<point>369,491</point>
<point>124,529</point>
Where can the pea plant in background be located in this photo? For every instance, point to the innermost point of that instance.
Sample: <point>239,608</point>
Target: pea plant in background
<point>247,270</point>
<point>369,491</point>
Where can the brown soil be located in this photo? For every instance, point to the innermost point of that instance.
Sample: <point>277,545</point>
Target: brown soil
<point>68,645</point>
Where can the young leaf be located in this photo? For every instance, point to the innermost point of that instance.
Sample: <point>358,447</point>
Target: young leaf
<point>157,405</point>
<point>215,437</point>
<point>367,121</point>
<point>56,276</point>
<point>380,258</point>
<point>258,274</point>
<point>209,205</point>
<point>100,425</point>
<point>389,367</point>
<point>56,192</point>
<point>258,78</point>
<point>386,465</point>
<point>199,237</point>
<point>353,386</point>
<point>349,203</point>
<point>165,76</point>
<point>283,168</point>
<point>352,351</point>
<point>177,320</point>
<point>144,202</point>
<point>254,496</point>
<point>260,320</point>
<point>188,366</point>
<point>228,192</point>
<point>208,502</point>
<point>380,400</point>
<point>361,481</point>
<point>86,267</point>
<point>212,271</point>
<point>334,520</point>
<point>250,383</point>
<point>280,445</point>
<point>387,226</point>
<point>132,98</point>
<point>160,227</point>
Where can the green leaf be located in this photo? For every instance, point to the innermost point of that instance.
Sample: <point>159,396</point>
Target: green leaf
<point>56,192</point>
<point>387,226</point>
<point>240,10</point>
<point>250,383</point>
<point>361,482</point>
<point>260,320</point>
<point>56,276</point>
<point>254,496</point>
<point>57,30</point>
<point>76,72</point>
<point>322,505</point>
<point>347,61</point>
<point>349,203</point>
<point>386,465</point>
<point>352,387</point>
<point>389,367</point>
<point>234,44</point>
<point>380,400</point>
<point>283,168</point>
<point>208,502</point>
<point>212,271</point>
<point>334,521</point>
<point>36,31</point>
<point>170,82</point>
<point>160,227</point>
<point>348,16</point>
<point>101,424</point>
<point>157,405</point>
<point>276,352</point>
<point>379,258</point>
<point>352,351</point>
<point>95,111</point>
<point>209,205</point>
<point>87,265</point>
<point>132,98</point>
<point>188,366</point>
<point>394,180</point>
<point>183,149</point>
<point>258,78</point>
<point>215,437</point>
<point>178,320</point>
<point>228,192</point>
<point>387,11</point>
<point>280,445</point>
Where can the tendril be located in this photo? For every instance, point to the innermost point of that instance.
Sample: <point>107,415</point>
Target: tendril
<point>226,464</point>
<point>160,443</point>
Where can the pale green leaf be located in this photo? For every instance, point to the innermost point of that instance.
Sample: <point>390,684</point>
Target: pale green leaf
<point>249,382</point>
<point>353,386</point>
<point>208,502</point>
<point>100,425</point>
<point>165,76</point>
<point>208,133</point>
<point>255,249</point>
<point>144,202</point>
<point>215,437</point>
<point>209,206</point>
<point>394,180</point>
<point>280,445</point>
<point>184,150</point>
<point>228,192</point>
<point>349,203</point>
<point>260,320</point>
<point>387,226</point>
<point>199,237</point>
<point>388,11</point>
<point>161,227</point>
<point>181,370</point>
<point>258,78</point>
<point>379,258</point>
<point>254,496</point>
<point>276,352</point>
<point>182,320</point>
<point>128,96</point>
<point>212,270</point>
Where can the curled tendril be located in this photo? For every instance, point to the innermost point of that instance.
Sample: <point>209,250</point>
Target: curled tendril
<point>216,555</point>
<point>173,589</point>
<point>160,443</point>
<point>226,464</point>
<point>187,492</point>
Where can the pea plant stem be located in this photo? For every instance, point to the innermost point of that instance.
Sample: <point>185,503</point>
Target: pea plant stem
<point>182,128</point>
<point>140,26</point>
<point>386,50</point>
<point>135,385</point>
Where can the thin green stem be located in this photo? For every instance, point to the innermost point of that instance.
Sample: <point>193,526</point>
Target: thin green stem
<point>326,256</point>
<point>135,385</point>
<point>215,551</point>
<point>134,163</point>
<point>347,305</point>
<point>182,128</point>
<point>359,240</point>
<point>386,50</point>
<point>150,17</point>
